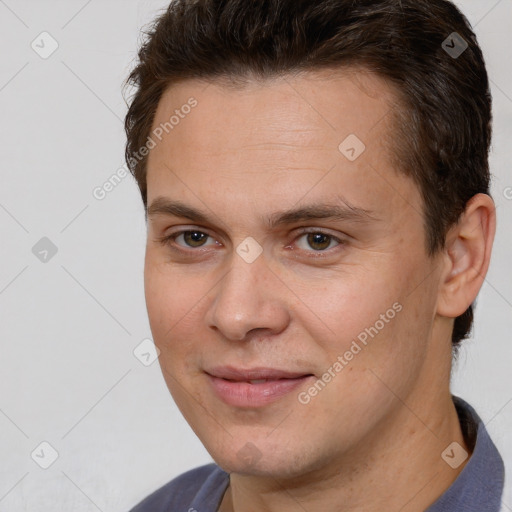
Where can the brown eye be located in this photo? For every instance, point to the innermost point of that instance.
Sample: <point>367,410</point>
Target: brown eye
<point>316,240</point>
<point>319,241</point>
<point>194,238</point>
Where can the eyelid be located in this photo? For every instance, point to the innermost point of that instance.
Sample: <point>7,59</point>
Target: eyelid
<point>165,239</point>
<point>323,231</point>
<point>341,241</point>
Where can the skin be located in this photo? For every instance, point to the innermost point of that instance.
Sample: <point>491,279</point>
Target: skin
<point>374,435</point>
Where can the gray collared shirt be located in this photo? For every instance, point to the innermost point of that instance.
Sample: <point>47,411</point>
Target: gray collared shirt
<point>478,488</point>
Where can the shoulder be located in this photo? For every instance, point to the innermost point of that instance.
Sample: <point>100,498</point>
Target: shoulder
<point>184,490</point>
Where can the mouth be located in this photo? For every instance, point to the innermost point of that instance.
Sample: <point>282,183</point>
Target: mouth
<point>254,387</point>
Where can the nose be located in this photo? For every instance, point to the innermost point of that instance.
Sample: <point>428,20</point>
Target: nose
<point>249,299</point>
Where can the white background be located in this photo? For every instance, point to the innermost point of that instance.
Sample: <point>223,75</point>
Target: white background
<point>69,326</point>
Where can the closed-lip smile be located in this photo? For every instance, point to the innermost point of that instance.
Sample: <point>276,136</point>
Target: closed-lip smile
<point>254,387</point>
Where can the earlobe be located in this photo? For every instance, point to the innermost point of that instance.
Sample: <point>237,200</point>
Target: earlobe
<point>467,256</point>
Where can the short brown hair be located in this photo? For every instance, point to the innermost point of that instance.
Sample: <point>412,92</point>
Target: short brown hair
<point>443,125</point>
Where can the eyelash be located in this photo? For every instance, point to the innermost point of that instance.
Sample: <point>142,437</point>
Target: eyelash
<point>167,239</point>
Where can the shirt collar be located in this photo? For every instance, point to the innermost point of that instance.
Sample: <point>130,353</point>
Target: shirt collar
<point>479,486</point>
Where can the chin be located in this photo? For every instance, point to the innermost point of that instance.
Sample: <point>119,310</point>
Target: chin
<point>266,459</point>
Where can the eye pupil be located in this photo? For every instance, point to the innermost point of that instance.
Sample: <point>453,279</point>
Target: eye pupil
<point>194,238</point>
<point>315,239</point>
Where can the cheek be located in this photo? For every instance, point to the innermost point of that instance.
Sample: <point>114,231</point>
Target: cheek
<point>169,291</point>
<point>377,309</point>
<point>172,303</point>
<point>354,301</point>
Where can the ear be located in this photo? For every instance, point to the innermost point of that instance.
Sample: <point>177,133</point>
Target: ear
<point>467,255</point>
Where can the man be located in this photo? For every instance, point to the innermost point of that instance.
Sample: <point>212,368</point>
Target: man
<point>316,183</point>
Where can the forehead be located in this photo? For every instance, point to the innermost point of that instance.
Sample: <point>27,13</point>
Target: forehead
<point>331,103</point>
<point>283,135</point>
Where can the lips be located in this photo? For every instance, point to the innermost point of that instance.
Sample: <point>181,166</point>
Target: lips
<point>254,387</point>
<point>235,374</point>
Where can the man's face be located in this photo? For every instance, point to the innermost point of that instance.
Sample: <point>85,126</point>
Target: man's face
<point>251,307</point>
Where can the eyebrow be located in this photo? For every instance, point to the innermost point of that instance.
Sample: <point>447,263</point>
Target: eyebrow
<point>343,212</point>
